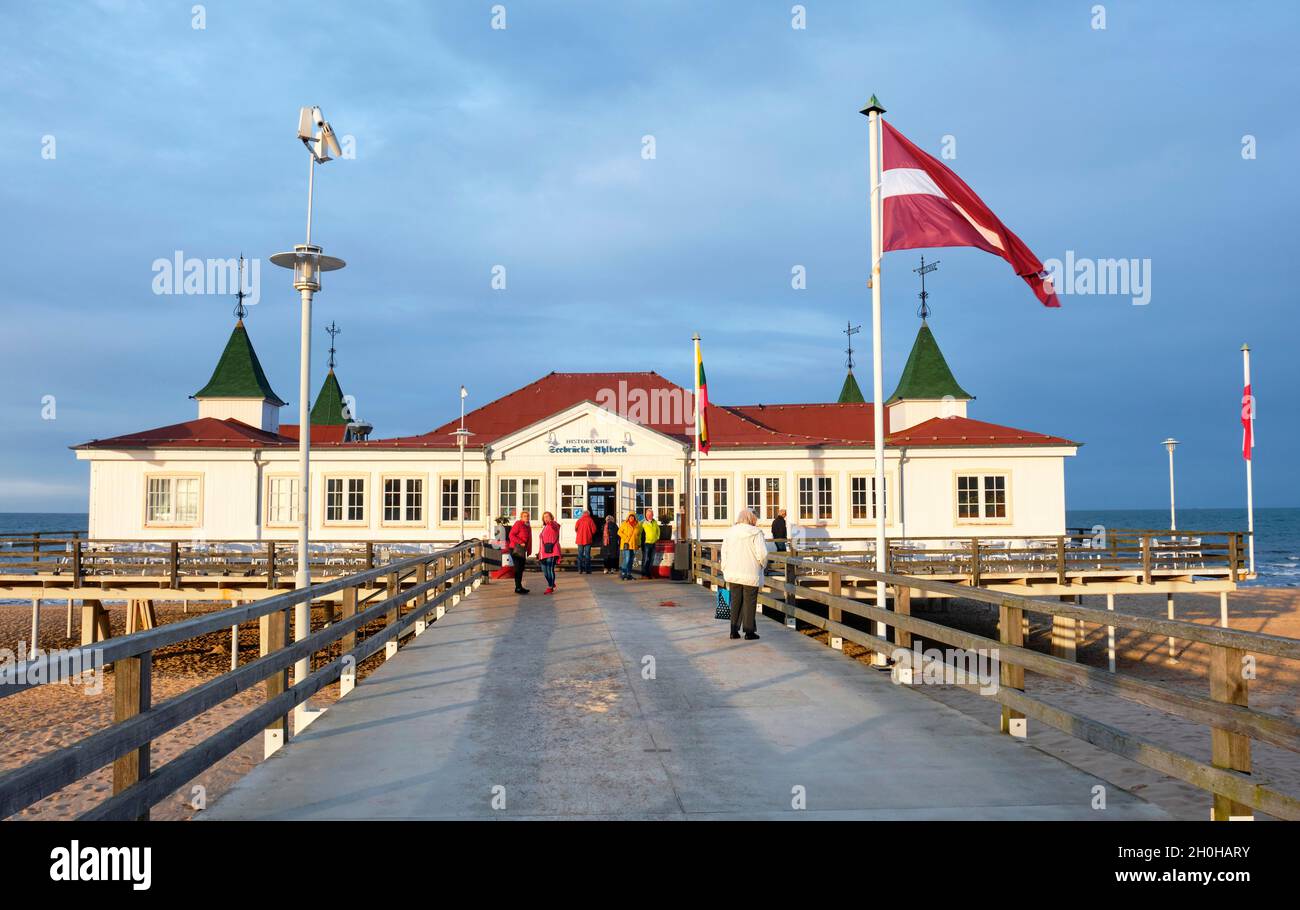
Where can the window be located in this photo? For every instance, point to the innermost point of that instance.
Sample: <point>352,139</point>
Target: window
<point>281,500</point>
<point>862,498</point>
<point>451,499</point>
<point>403,500</point>
<point>713,498</point>
<point>573,496</point>
<point>763,496</point>
<point>520,493</point>
<point>657,493</point>
<point>981,496</point>
<point>816,498</point>
<point>172,500</point>
<point>345,499</point>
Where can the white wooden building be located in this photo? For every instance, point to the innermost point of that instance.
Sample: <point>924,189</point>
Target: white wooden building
<point>598,441</point>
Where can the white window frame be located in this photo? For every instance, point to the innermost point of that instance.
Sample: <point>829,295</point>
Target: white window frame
<point>272,497</point>
<point>819,485</point>
<point>765,510</point>
<point>983,502</point>
<point>713,511</point>
<point>661,495</point>
<point>404,494</point>
<point>869,498</point>
<point>172,520</point>
<point>474,495</point>
<point>350,499</point>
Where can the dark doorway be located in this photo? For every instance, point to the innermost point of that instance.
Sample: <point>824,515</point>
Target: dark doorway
<point>602,500</point>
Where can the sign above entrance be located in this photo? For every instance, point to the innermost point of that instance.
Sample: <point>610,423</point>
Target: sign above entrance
<point>594,444</point>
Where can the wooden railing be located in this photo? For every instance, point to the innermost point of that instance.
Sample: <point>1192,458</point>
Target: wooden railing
<point>1233,724</point>
<point>421,585</point>
<point>1141,553</point>
<point>78,558</point>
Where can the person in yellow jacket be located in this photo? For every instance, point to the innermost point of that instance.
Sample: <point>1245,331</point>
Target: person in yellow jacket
<point>629,541</point>
<point>649,537</point>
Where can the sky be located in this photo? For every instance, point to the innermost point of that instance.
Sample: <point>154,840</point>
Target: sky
<point>134,131</point>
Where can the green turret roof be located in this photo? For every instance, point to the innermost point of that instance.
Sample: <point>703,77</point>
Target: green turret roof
<point>926,374</point>
<point>850,393</point>
<point>328,411</point>
<point>239,373</point>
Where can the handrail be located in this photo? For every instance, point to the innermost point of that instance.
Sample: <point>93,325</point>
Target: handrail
<point>1233,723</point>
<point>126,743</point>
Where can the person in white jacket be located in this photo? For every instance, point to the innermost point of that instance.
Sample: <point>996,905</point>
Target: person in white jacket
<point>744,557</point>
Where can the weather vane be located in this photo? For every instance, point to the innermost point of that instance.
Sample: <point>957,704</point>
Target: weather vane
<point>851,330</point>
<point>333,330</point>
<point>924,310</point>
<point>240,310</point>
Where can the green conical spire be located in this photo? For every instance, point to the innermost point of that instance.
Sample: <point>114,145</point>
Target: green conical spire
<point>926,374</point>
<point>328,411</point>
<point>850,393</point>
<point>239,372</point>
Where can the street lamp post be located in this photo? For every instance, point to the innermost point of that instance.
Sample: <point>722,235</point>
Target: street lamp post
<point>1173,520</point>
<point>307,261</point>
<point>462,435</point>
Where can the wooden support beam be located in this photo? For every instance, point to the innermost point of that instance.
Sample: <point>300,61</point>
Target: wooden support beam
<point>94,622</point>
<point>275,635</point>
<point>1011,676</point>
<point>1064,634</point>
<point>1228,750</point>
<point>131,696</point>
<point>903,607</point>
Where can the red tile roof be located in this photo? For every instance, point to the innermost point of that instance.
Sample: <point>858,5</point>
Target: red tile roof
<point>320,433</point>
<point>203,433</point>
<point>744,426</point>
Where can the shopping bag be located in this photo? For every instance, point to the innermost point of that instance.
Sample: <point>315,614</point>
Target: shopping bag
<point>723,609</point>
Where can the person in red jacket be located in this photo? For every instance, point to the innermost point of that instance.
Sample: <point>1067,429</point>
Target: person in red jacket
<point>548,549</point>
<point>520,542</point>
<point>584,532</point>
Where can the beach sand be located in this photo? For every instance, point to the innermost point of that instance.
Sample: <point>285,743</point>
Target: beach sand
<point>42,719</point>
<point>1272,610</point>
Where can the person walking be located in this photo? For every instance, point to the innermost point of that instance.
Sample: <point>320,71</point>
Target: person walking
<point>629,541</point>
<point>548,549</point>
<point>584,532</point>
<point>520,542</point>
<point>744,557</point>
<point>779,534</point>
<point>609,545</point>
<point>649,537</point>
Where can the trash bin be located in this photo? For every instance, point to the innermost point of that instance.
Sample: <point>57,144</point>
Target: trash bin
<point>665,554</point>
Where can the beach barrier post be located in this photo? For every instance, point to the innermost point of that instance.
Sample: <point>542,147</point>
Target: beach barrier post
<point>275,635</point>
<point>131,696</point>
<point>1110,635</point>
<point>1064,644</point>
<point>1011,676</point>
<point>1223,609</point>
<point>390,619</point>
<point>1227,749</point>
<point>36,624</point>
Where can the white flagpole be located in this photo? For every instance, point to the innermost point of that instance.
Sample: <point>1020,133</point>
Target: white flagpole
<point>1250,490</point>
<point>873,111</point>
<point>695,470</point>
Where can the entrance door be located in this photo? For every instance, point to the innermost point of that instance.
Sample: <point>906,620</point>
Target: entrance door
<point>602,500</point>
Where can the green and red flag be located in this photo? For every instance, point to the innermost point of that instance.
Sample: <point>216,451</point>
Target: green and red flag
<point>701,403</point>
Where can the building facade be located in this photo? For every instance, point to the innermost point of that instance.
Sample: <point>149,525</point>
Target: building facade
<point>604,442</point>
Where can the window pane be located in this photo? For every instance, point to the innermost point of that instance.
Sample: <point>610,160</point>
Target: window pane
<point>530,497</point>
<point>472,499</point>
<point>450,500</point>
<point>415,499</point>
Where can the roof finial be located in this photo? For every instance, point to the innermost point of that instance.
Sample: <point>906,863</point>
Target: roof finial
<point>850,330</point>
<point>333,330</point>
<point>924,309</point>
<point>240,310</point>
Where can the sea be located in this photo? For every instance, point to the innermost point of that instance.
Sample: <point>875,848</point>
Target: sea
<point>1277,531</point>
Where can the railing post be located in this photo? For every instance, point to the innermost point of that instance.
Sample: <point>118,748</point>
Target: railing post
<point>274,629</point>
<point>903,607</point>
<point>348,679</point>
<point>390,618</point>
<point>835,587</point>
<point>270,564</point>
<point>1146,559</point>
<point>1060,561</point>
<point>370,554</point>
<point>76,563</point>
<point>975,562</point>
<point>174,564</point>
<point>1234,553</point>
<point>1010,675</point>
<point>1228,750</point>
<point>791,583</point>
<point>1064,633</point>
<point>131,696</point>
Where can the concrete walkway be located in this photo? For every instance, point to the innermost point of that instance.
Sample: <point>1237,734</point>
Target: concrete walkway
<point>545,697</point>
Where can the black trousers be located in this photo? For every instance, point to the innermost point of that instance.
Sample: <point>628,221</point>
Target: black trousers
<point>744,604</point>
<point>519,562</point>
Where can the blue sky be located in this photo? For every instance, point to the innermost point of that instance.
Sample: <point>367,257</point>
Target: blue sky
<point>522,147</point>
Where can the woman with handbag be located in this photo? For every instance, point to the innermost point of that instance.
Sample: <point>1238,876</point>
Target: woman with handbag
<point>548,549</point>
<point>519,541</point>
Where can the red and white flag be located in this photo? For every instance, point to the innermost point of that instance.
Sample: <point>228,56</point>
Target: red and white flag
<point>1247,422</point>
<point>927,205</point>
